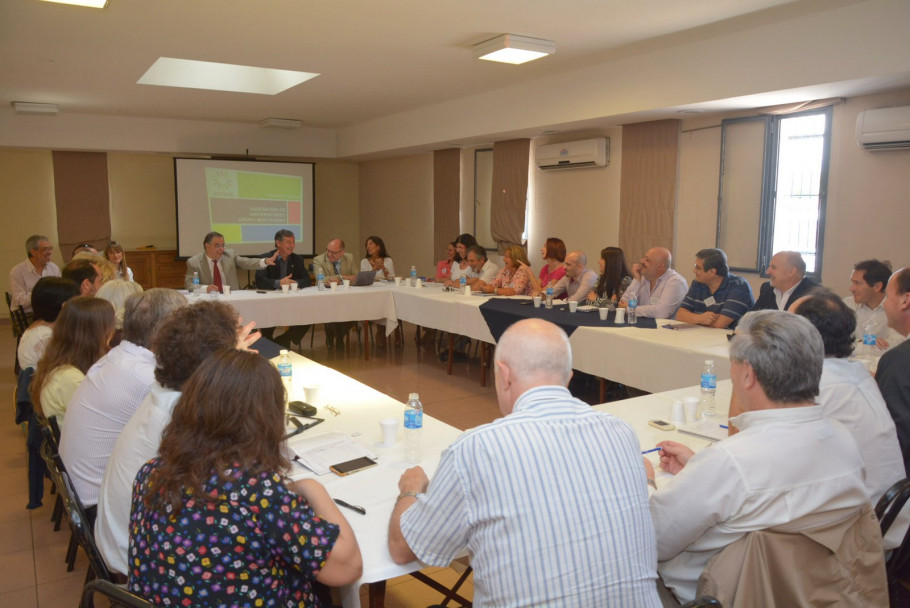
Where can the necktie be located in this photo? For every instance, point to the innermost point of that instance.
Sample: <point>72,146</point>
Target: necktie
<point>216,276</point>
<point>337,266</point>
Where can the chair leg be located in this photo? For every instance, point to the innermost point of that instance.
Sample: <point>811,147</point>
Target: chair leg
<point>71,550</point>
<point>57,515</point>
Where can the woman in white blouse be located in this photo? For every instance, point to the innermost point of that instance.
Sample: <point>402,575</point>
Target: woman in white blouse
<point>377,259</point>
<point>48,297</point>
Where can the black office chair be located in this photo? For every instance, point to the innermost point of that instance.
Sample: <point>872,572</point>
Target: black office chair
<point>118,596</point>
<point>897,566</point>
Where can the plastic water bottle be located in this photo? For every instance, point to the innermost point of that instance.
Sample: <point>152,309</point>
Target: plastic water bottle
<point>413,428</point>
<point>320,280</point>
<point>286,370</point>
<point>462,282</point>
<point>195,282</point>
<point>632,312</point>
<point>870,338</point>
<point>413,276</point>
<point>549,303</point>
<point>708,389</point>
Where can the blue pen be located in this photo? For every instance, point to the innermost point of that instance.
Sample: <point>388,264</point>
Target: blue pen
<point>652,450</point>
<point>724,426</point>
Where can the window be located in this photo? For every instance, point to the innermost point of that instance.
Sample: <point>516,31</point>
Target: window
<point>773,186</point>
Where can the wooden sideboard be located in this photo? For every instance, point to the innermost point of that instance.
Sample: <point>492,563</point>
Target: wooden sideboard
<point>157,268</point>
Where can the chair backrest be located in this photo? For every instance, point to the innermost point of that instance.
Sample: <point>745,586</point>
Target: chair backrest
<point>75,511</point>
<point>17,316</point>
<point>887,510</point>
<point>839,562</point>
<point>117,595</point>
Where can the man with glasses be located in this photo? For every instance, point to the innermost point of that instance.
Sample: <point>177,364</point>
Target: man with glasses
<point>335,265</point>
<point>218,266</point>
<point>717,297</point>
<point>23,276</point>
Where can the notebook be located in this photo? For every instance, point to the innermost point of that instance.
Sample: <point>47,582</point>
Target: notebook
<point>709,429</point>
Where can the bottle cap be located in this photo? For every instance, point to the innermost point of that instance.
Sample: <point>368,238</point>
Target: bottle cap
<point>413,396</point>
<point>283,351</point>
<point>709,361</point>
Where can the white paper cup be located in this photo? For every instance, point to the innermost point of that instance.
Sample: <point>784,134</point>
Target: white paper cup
<point>334,285</point>
<point>573,306</point>
<point>418,283</point>
<point>295,286</point>
<point>537,300</point>
<point>620,315</point>
<point>312,394</point>
<point>690,404</point>
<point>389,429</point>
<point>226,290</point>
<point>602,313</point>
<point>347,283</point>
<point>467,290</point>
<point>286,287</point>
<point>677,413</point>
<point>397,281</point>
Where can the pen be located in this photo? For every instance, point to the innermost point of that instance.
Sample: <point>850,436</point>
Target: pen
<point>724,426</point>
<point>348,505</point>
<point>652,450</point>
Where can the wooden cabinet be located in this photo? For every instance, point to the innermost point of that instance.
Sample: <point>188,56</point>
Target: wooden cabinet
<point>157,268</point>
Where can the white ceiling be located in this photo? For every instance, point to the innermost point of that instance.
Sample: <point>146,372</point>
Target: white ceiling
<point>376,59</point>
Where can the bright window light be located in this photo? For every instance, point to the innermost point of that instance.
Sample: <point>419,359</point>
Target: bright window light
<point>88,3</point>
<point>186,73</point>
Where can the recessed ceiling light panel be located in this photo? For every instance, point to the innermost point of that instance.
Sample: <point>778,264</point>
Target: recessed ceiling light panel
<point>190,74</point>
<point>509,48</point>
<point>88,3</point>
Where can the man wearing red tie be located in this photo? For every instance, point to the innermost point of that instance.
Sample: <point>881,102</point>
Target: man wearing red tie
<point>218,266</point>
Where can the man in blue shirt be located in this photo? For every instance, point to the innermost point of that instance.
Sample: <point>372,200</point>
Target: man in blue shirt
<point>716,298</point>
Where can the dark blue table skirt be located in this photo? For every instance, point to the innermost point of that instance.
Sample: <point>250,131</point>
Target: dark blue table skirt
<point>500,313</point>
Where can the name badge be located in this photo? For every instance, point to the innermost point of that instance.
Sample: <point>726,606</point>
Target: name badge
<point>710,301</point>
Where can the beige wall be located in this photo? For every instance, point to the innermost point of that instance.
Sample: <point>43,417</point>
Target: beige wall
<point>396,204</point>
<point>143,209</point>
<point>868,195</point>
<point>337,204</point>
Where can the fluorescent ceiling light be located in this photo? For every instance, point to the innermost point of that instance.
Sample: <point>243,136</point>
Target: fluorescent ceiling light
<point>169,72</point>
<point>27,107</point>
<point>509,48</point>
<point>88,3</point>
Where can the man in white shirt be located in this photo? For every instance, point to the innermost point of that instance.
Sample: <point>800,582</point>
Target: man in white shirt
<point>578,280</point>
<point>659,289</point>
<point>218,266</point>
<point>548,501</point>
<point>112,390</point>
<point>787,461</point>
<point>868,283</point>
<point>480,269</point>
<point>23,276</point>
<point>186,338</point>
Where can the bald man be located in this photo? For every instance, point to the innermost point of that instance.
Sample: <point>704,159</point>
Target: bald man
<point>659,289</point>
<point>578,280</point>
<point>787,282</point>
<point>544,499</point>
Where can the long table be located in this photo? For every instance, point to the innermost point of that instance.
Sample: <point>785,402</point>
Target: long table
<point>359,409</point>
<point>652,360</point>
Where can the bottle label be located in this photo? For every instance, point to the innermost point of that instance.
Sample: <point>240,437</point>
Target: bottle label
<point>285,369</point>
<point>709,381</point>
<point>633,303</point>
<point>413,419</point>
<point>869,339</point>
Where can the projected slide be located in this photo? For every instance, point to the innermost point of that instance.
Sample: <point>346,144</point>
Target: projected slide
<point>246,201</point>
<point>247,207</point>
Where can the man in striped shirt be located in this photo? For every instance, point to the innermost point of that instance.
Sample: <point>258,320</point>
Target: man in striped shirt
<point>548,501</point>
<point>717,297</point>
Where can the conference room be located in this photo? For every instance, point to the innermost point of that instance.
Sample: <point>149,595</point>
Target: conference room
<point>402,132</point>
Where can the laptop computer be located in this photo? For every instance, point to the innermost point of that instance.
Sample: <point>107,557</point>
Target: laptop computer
<point>365,278</point>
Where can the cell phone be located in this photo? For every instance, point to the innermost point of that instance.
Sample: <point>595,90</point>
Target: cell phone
<point>261,291</point>
<point>661,425</point>
<point>352,466</point>
<point>302,409</point>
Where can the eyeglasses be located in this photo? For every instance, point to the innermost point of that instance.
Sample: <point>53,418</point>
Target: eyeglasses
<point>334,252</point>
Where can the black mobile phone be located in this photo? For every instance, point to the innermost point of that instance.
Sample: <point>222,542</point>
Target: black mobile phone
<point>302,409</point>
<point>352,466</point>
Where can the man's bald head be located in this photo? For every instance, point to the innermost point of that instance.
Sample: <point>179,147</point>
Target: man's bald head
<point>531,353</point>
<point>655,263</point>
<point>575,264</point>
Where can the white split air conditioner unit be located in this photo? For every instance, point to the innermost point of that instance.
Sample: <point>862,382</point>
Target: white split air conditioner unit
<point>573,154</point>
<point>884,129</point>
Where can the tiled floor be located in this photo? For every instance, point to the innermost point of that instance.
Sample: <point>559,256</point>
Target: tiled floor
<point>32,570</point>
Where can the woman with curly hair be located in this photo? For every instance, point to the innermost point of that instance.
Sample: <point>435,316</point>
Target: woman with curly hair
<point>216,509</point>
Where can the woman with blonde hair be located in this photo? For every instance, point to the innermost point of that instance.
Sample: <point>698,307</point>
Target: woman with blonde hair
<point>510,281</point>
<point>219,487</point>
<point>81,335</point>
<point>114,254</point>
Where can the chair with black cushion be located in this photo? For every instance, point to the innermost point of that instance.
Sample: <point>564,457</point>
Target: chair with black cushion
<point>897,566</point>
<point>117,595</point>
<point>80,522</point>
<point>51,440</point>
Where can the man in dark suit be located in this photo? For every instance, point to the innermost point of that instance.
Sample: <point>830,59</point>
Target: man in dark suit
<point>788,282</point>
<point>288,268</point>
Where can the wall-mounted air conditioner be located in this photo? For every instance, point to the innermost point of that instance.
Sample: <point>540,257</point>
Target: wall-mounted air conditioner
<point>884,128</point>
<point>574,154</point>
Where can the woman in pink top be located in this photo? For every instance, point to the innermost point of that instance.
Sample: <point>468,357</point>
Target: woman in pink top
<point>510,281</point>
<point>554,254</point>
<point>444,267</point>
